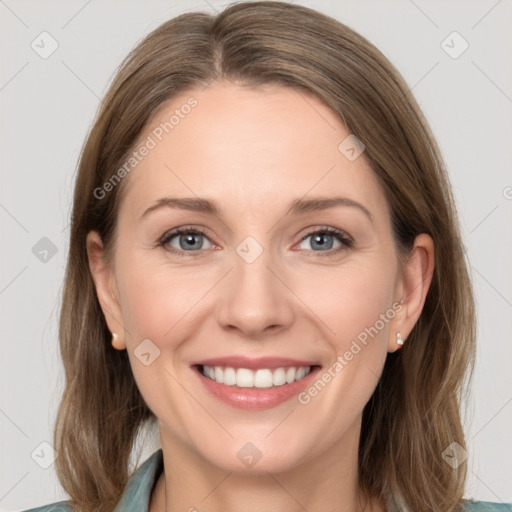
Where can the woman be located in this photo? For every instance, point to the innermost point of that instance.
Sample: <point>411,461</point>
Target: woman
<point>265,259</point>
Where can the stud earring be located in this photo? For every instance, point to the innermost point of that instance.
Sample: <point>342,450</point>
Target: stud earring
<point>116,343</point>
<point>399,339</point>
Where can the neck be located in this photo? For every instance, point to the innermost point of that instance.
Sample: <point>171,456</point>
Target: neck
<point>328,481</point>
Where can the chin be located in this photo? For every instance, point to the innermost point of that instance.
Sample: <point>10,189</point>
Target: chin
<point>250,460</point>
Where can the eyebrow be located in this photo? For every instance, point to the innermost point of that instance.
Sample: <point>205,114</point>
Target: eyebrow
<point>297,207</point>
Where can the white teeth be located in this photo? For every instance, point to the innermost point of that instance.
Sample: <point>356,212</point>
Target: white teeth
<point>244,378</point>
<point>279,377</point>
<point>262,378</point>
<point>229,377</point>
<point>301,372</point>
<point>290,375</point>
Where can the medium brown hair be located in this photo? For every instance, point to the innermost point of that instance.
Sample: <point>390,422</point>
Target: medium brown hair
<point>414,413</point>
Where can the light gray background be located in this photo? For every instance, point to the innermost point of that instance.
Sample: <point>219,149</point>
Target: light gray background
<point>48,106</point>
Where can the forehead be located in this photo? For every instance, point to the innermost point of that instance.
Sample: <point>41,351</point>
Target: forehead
<point>247,148</point>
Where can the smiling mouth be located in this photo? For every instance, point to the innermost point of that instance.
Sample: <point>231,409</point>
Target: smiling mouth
<point>261,378</point>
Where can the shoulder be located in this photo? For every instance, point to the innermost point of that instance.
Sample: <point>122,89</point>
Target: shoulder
<point>136,494</point>
<point>58,506</point>
<point>486,506</point>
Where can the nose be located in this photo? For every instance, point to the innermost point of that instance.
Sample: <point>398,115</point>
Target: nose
<point>255,299</point>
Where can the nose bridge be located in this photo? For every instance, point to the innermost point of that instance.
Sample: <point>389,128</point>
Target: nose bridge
<point>253,298</point>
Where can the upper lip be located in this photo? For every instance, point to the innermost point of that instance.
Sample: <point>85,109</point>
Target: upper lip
<point>254,363</point>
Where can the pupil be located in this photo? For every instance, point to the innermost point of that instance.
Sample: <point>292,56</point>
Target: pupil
<point>190,239</point>
<point>320,240</point>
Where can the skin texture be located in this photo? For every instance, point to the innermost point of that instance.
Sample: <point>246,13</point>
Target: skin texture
<point>253,151</point>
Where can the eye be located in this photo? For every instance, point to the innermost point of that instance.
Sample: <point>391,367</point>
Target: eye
<point>324,238</point>
<point>182,240</point>
<point>192,240</point>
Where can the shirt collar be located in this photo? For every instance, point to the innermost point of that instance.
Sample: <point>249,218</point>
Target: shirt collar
<point>137,492</point>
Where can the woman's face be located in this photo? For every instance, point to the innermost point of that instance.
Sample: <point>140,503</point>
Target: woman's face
<point>262,279</point>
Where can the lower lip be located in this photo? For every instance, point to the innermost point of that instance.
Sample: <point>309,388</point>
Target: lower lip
<point>256,398</point>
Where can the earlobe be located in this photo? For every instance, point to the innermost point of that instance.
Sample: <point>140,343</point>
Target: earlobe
<point>415,282</point>
<point>104,283</point>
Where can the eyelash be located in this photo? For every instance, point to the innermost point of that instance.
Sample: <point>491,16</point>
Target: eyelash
<point>346,241</point>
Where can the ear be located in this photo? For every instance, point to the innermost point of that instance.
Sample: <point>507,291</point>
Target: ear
<point>414,283</point>
<point>106,290</point>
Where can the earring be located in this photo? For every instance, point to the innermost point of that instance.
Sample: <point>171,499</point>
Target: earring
<point>399,339</point>
<point>116,343</point>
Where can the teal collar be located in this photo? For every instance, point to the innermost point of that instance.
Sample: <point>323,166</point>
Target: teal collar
<point>137,492</point>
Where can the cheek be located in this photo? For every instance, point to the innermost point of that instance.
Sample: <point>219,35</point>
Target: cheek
<point>157,297</point>
<point>356,304</point>
<point>350,299</point>
<point>351,303</point>
<point>158,305</point>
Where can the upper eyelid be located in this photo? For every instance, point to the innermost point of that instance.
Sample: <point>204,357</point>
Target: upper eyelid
<point>331,230</point>
<point>181,230</point>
